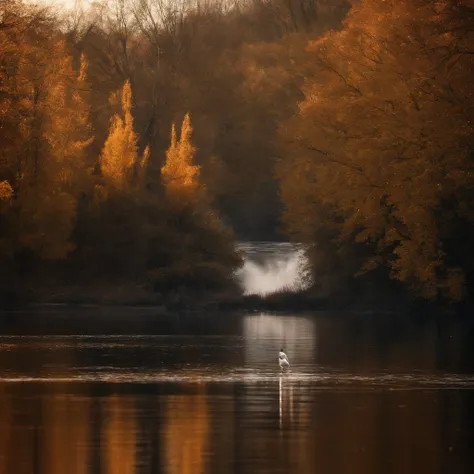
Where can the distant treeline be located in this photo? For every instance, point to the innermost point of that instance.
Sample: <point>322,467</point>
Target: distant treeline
<point>140,138</point>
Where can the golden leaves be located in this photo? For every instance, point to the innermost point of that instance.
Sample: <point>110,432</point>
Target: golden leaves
<point>373,139</point>
<point>6,191</point>
<point>122,167</point>
<point>180,176</point>
<point>119,153</point>
<point>53,131</point>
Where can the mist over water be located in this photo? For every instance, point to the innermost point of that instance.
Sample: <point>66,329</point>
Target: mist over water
<point>271,267</point>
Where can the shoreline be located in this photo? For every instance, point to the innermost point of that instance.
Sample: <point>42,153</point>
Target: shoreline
<point>63,319</point>
<point>283,303</point>
<point>114,298</point>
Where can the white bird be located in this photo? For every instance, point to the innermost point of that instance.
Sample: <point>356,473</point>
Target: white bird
<point>283,360</point>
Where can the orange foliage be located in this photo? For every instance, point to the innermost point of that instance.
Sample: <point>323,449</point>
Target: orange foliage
<point>54,132</point>
<point>6,191</point>
<point>120,149</point>
<point>373,142</point>
<point>179,174</point>
<point>119,157</point>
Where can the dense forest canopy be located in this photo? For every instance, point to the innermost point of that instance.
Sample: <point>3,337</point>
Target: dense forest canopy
<point>140,138</point>
<point>381,148</point>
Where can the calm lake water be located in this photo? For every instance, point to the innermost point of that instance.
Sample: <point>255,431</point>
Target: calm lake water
<point>366,394</point>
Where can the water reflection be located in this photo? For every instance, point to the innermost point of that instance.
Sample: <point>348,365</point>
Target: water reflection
<point>118,435</point>
<point>360,399</point>
<point>285,400</point>
<point>266,334</point>
<point>203,428</point>
<point>186,433</point>
<point>65,441</point>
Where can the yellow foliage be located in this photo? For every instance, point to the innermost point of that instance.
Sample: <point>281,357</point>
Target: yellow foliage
<point>119,153</point>
<point>67,127</point>
<point>55,132</point>
<point>45,130</point>
<point>180,176</point>
<point>6,191</point>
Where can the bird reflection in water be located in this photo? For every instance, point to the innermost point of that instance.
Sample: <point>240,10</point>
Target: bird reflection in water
<point>286,401</point>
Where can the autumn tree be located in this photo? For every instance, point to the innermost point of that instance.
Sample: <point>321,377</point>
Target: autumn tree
<point>372,140</point>
<point>49,149</point>
<point>119,159</point>
<point>19,22</point>
<point>180,176</point>
<point>64,172</point>
<point>114,231</point>
<point>200,253</point>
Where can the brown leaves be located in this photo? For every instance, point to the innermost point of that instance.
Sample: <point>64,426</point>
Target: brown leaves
<point>385,134</point>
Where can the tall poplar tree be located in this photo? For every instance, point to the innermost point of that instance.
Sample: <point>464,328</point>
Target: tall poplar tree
<point>120,150</point>
<point>179,174</point>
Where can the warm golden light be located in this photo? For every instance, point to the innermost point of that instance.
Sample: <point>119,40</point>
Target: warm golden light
<point>186,434</point>
<point>119,435</point>
<point>66,440</point>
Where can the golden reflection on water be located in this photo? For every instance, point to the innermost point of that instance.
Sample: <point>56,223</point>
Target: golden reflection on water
<point>119,435</point>
<point>65,441</point>
<point>186,433</point>
<point>282,424</point>
<point>283,427</point>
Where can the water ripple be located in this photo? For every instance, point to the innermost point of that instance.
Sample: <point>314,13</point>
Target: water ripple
<point>250,376</point>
